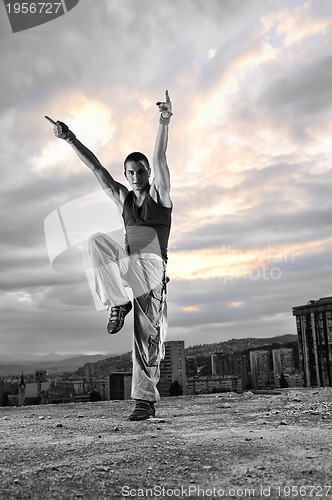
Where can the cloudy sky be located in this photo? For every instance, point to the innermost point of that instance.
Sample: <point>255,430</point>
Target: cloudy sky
<point>249,151</point>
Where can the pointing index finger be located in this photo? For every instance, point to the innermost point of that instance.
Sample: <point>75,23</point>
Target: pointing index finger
<point>167,96</point>
<point>50,120</point>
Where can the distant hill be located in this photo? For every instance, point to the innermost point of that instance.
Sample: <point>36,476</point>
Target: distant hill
<point>57,365</point>
<point>123,363</point>
<point>120,363</point>
<point>21,357</point>
<point>237,345</point>
<point>104,364</point>
<point>202,353</point>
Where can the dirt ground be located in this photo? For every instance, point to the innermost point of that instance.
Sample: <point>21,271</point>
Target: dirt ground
<point>275,445</point>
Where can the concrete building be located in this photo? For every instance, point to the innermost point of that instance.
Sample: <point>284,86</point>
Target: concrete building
<point>213,383</point>
<point>34,389</point>
<point>294,379</point>
<point>76,385</point>
<point>173,369</point>
<point>21,392</point>
<point>191,366</point>
<point>260,369</point>
<point>103,387</point>
<point>120,385</point>
<point>314,330</point>
<point>40,376</point>
<point>60,393</point>
<point>29,393</point>
<point>283,363</point>
<point>235,365</point>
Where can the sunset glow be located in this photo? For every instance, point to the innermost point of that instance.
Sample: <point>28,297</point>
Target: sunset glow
<point>249,153</point>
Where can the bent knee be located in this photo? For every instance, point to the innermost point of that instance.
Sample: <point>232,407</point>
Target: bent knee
<point>95,237</point>
<point>102,242</point>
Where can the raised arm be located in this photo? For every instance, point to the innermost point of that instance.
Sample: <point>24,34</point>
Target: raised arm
<point>116,191</point>
<point>161,182</point>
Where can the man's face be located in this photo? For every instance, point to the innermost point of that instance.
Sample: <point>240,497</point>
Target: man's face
<point>137,176</point>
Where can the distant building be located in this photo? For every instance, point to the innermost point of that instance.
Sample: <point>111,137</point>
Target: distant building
<point>260,368</point>
<point>173,369</point>
<point>60,393</point>
<point>34,391</point>
<point>213,383</point>
<point>283,363</point>
<point>120,385</point>
<point>21,392</point>
<point>103,387</point>
<point>231,364</point>
<point>28,393</point>
<point>76,385</point>
<point>40,376</point>
<point>314,330</point>
<point>294,379</point>
<point>191,366</point>
<point>218,361</point>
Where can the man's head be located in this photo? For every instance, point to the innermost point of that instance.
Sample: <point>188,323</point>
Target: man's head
<point>137,157</point>
<point>137,171</point>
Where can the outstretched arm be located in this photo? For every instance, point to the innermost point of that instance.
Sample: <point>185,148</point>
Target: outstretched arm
<point>116,191</point>
<point>161,182</point>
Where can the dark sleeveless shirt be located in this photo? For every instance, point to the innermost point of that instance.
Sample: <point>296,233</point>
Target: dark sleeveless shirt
<point>147,226</point>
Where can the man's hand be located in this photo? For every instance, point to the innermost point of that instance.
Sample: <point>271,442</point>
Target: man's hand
<point>61,130</point>
<point>165,107</point>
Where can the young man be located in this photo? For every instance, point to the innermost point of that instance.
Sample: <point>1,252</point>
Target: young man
<point>146,211</point>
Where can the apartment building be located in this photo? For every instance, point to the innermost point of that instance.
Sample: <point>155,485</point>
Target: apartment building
<point>314,330</point>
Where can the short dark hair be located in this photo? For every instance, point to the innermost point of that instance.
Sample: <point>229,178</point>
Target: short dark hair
<point>137,157</point>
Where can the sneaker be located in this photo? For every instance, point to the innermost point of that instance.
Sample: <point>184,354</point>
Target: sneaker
<point>117,317</point>
<point>143,410</point>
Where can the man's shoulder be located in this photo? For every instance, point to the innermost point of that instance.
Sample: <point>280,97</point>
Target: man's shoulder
<point>128,198</point>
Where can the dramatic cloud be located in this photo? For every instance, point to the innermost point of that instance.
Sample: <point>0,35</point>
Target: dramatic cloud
<point>249,152</point>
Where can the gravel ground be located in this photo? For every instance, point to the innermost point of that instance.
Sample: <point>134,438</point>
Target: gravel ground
<point>275,445</point>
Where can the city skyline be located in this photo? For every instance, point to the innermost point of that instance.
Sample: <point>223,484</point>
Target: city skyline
<point>249,153</point>
<point>179,375</point>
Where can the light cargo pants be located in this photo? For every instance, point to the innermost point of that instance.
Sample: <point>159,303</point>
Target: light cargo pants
<point>145,274</point>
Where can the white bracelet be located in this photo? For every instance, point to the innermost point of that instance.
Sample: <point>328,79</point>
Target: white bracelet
<point>165,121</point>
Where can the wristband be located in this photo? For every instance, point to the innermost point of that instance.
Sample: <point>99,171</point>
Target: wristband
<point>165,121</point>
<point>70,136</point>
